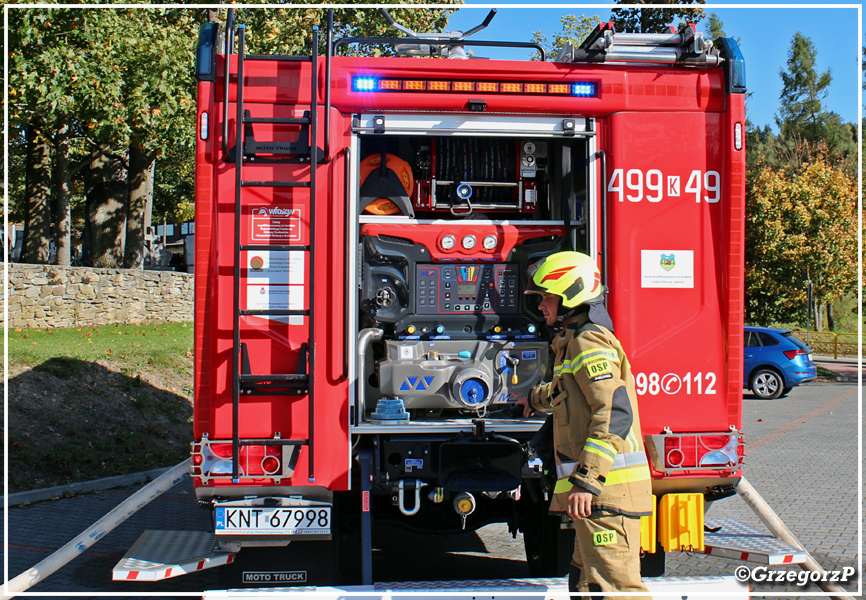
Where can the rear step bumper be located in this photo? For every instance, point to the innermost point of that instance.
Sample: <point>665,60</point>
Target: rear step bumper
<point>712,588</point>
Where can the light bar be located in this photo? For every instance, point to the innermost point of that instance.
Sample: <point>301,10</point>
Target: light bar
<point>579,89</point>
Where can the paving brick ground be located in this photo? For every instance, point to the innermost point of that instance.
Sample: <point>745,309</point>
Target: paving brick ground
<point>802,458</point>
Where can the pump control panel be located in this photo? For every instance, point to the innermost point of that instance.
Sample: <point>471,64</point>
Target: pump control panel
<point>466,288</point>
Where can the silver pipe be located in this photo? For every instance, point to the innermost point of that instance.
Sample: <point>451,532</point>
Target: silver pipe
<point>365,338</point>
<point>650,39</point>
<point>654,57</point>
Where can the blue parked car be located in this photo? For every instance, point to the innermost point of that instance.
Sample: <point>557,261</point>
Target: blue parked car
<point>774,361</point>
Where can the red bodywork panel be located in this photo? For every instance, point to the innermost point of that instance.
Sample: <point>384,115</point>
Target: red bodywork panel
<point>683,204</point>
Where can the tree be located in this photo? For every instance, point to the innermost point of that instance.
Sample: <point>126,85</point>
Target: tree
<point>803,90</point>
<point>802,119</point>
<point>654,20</point>
<point>34,92</point>
<point>37,230</point>
<point>575,29</point>
<point>113,91</point>
<point>801,225</point>
<point>715,29</point>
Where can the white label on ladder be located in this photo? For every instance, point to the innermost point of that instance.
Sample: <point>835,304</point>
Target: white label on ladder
<point>276,297</point>
<point>274,267</point>
<point>276,224</point>
<point>275,280</point>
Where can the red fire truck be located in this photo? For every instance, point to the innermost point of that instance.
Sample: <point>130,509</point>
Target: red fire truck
<point>363,229</point>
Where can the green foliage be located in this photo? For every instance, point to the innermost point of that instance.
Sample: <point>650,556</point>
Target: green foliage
<point>714,27</point>
<point>802,121</point>
<point>124,75</point>
<point>575,29</point>
<point>803,89</point>
<point>289,30</point>
<point>655,20</point>
<point>174,185</point>
<point>801,224</point>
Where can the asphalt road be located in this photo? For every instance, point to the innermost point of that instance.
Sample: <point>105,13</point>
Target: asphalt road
<point>802,458</point>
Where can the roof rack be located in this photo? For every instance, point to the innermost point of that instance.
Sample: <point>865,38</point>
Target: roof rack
<point>686,46</point>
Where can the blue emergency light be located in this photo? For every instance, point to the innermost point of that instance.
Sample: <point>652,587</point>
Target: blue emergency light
<point>365,84</point>
<point>583,90</point>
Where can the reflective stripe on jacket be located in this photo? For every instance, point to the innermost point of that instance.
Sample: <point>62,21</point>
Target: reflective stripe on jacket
<point>597,436</point>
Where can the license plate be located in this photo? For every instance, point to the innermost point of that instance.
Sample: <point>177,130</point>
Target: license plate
<point>267,520</point>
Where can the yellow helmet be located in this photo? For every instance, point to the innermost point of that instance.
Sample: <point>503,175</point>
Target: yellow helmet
<point>572,276</point>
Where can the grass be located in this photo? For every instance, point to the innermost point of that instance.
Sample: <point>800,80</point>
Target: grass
<point>92,402</point>
<point>137,346</point>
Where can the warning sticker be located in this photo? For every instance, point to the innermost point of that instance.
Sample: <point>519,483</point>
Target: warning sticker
<point>275,267</point>
<point>276,297</point>
<point>276,224</point>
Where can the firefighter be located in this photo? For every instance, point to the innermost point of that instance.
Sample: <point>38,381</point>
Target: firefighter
<point>602,475</point>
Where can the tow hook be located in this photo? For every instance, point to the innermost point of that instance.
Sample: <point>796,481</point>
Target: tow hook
<point>400,497</point>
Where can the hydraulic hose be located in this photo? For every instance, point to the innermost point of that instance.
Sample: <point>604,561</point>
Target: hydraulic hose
<point>98,530</point>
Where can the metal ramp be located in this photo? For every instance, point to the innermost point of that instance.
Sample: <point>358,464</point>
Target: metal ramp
<point>705,588</point>
<point>739,541</point>
<point>159,555</point>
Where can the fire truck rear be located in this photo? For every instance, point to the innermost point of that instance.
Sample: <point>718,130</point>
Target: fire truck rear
<point>363,229</point>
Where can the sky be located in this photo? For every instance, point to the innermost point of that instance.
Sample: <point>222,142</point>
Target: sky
<point>764,30</point>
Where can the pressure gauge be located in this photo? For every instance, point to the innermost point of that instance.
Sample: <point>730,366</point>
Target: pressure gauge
<point>469,242</point>
<point>529,148</point>
<point>489,242</point>
<point>448,242</point>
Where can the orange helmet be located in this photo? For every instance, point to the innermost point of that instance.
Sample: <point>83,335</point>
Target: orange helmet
<point>384,206</point>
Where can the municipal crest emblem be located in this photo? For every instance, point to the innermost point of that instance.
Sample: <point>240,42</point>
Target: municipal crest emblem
<point>667,262</point>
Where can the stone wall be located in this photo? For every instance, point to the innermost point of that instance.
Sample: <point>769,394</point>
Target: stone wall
<point>52,296</point>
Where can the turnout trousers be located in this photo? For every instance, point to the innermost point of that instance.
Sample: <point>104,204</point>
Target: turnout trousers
<point>607,554</point>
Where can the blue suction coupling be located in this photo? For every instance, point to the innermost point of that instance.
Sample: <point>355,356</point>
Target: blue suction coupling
<point>390,411</point>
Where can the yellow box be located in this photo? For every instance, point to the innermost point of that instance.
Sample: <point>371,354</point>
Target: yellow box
<point>648,531</point>
<point>681,522</point>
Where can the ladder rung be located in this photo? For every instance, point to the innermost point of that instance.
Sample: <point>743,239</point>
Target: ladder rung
<point>275,248</point>
<point>268,442</point>
<point>274,377</point>
<point>285,184</point>
<point>278,57</point>
<point>274,312</point>
<point>278,121</point>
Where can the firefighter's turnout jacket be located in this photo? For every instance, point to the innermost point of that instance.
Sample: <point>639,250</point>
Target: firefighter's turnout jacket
<point>597,436</point>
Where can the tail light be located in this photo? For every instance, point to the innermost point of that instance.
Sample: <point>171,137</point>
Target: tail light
<point>212,459</point>
<point>673,452</point>
<point>792,354</point>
